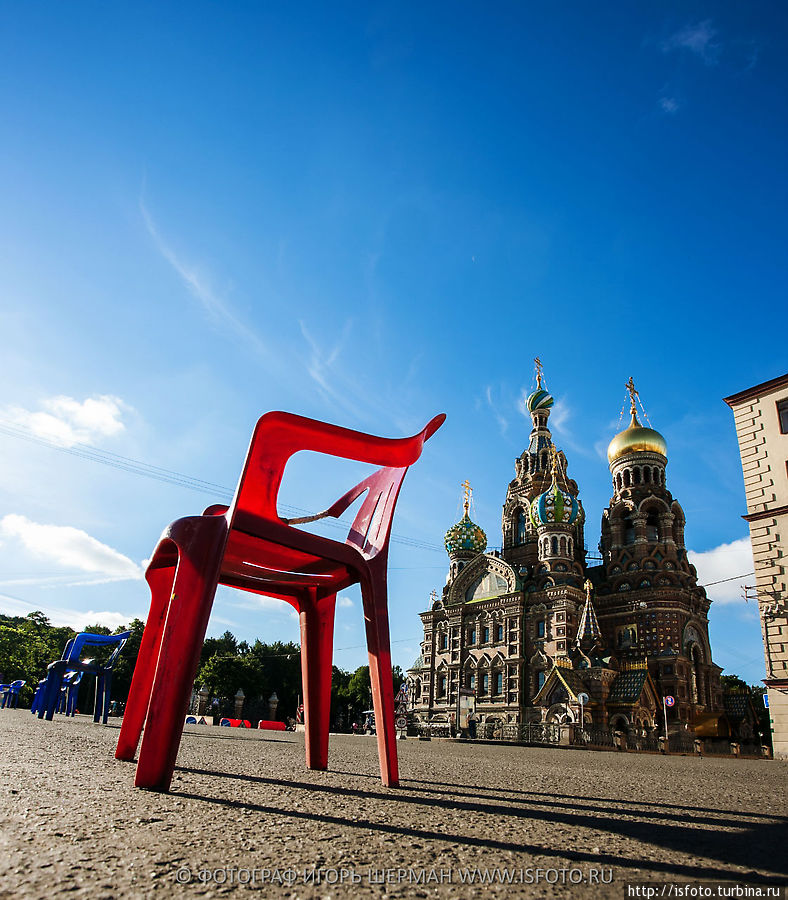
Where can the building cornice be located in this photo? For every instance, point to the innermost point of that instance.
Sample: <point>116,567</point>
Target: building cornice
<point>766,514</point>
<point>757,391</point>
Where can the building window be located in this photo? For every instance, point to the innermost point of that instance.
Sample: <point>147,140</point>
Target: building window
<point>441,686</point>
<point>444,641</point>
<point>472,682</point>
<point>498,683</point>
<point>540,628</point>
<point>521,527</point>
<point>782,412</point>
<point>471,635</point>
<point>540,677</point>
<point>499,632</point>
<point>485,635</point>
<point>485,684</point>
<point>667,670</point>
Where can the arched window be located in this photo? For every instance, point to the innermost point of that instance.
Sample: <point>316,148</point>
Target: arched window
<point>636,476</point>
<point>626,478</point>
<point>629,529</point>
<point>652,526</point>
<point>521,527</point>
<point>554,546</point>
<point>647,475</point>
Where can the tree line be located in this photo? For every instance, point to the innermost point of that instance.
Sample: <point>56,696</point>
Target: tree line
<point>28,644</point>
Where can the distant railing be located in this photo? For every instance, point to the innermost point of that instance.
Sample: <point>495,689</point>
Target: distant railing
<point>681,743</point>
<point>593,737</point>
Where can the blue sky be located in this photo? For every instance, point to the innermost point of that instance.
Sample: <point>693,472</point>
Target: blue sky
<point>369,214</point>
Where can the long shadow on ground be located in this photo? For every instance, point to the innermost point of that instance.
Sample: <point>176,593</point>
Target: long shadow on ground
<point>754,845</point>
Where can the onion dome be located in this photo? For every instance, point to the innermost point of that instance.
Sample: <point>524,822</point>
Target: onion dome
<point>554,506</point>
<point>465,536</point>
<point>539,399</point>
<point>636,438</point>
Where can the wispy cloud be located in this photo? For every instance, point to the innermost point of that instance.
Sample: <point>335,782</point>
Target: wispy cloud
<point>669,105</point>
<point>216,307</point>
<point>699,38</point>
<point>503,422</point>
<point>67,421</point>
<point>70,547</point>
<point>344,602</point>
<point>727,561</point>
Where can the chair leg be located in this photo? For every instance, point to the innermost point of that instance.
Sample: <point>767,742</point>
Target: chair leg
<point>107,695</point>
<point>317,646</point>
<point>160,581</point>
<point>196,577</point>
<point>51,696</point>
<point>374,595</point>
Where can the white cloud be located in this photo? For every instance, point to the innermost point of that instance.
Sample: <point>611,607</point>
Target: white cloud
<point>63,617</point>
<point>344,601</point>
<point>70,547</point>
<point>698,39</point>
<point>67,422</point>
<point>669,105</point>
<point>728,561</point>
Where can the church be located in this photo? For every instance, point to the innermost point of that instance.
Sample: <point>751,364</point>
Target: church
<point>532,633</point>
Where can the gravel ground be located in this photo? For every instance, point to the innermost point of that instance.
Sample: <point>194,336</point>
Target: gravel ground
<point>245,815</point>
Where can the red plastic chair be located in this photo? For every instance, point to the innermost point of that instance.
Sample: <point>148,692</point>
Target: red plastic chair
<point>249,546</point>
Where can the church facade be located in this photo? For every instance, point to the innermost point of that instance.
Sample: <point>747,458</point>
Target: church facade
<point>531,633</point>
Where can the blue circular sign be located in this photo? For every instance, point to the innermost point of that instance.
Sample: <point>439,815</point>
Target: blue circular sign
<point>669,701</point>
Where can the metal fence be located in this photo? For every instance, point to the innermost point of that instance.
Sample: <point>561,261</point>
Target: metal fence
<point>593,737</point>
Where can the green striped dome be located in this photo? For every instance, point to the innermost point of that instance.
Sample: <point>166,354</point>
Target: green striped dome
<point>465,536</point>
<point>539,399</point>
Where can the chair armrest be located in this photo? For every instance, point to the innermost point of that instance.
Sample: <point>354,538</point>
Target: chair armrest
<point>336,509</point>
<point>279,435</point>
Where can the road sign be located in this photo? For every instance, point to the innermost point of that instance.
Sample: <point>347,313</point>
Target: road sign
<point>401,722</point>
<point>766,700</point>
<point>582,699</point>
<point>669,701</point>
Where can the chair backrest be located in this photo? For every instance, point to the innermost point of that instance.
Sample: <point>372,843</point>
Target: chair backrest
<point>76,645</point>
<point>278,436</point>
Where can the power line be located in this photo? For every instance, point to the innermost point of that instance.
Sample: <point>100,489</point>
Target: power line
<point>723,580</point>
<point>179,479</point>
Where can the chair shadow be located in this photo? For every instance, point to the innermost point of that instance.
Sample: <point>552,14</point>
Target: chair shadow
<point>753,845</point>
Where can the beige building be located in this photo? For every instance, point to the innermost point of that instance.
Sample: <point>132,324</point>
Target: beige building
<point>761,416</point>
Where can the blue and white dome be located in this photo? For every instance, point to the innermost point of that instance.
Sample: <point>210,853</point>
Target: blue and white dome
<point>554,506</point>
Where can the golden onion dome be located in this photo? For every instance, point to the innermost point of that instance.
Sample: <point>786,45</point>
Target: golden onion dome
<point>636,439</point>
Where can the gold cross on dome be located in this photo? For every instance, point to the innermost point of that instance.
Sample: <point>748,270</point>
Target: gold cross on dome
<point>587,585</point>
<point>466,495</point>
<point>554,458</point>
<point>632,394</point>
<point>539,372</point>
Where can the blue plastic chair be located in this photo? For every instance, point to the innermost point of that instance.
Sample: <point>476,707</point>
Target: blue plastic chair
<point>71,663</point>
<point>9,694</point>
